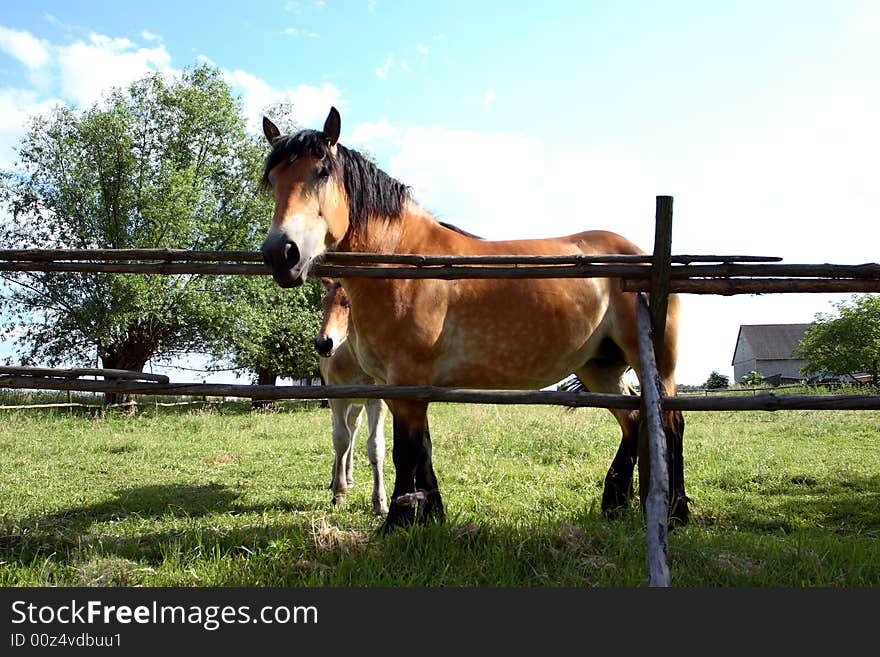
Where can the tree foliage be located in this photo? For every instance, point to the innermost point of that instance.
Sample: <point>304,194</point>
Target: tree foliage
<point>716,381</point>
<point>272,332</point>
<point>163,163</point>
<point>847,342</point>
<point>753,378</point>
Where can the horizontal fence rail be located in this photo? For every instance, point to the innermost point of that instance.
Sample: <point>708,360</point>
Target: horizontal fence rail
<point>764,402</point>
<point>731,274</point>
<point>731,286</point>
<point>77,372</point>
<point>338,257</point>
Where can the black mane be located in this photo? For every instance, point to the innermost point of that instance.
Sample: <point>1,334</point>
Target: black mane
<point>370,191</point>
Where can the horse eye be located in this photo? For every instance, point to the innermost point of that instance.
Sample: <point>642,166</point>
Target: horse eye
<point>321,171</point>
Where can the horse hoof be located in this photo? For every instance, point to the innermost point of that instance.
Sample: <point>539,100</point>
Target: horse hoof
<point>614,503</point>
<point>398,516</point>
<point>613,512</point>
<point>679,514</point>
<point>431,509</point>
<point>339,500</point>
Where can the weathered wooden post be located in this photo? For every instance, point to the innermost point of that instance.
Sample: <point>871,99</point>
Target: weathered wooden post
<point>652,432</point>
<point>653,470</point>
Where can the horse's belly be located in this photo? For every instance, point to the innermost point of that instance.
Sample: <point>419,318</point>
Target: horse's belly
<point>510,369</point>
<point>532,346</point>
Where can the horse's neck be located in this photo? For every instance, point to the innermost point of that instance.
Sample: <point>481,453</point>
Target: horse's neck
<point>409,233</point>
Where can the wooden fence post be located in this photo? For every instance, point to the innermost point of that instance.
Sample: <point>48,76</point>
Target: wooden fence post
<point>654,435</point>
<point>651,322</point>
<point>660,273</point>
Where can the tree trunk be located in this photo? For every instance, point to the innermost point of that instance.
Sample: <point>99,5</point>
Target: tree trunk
<point>121,361</point>
<point>264,378</point>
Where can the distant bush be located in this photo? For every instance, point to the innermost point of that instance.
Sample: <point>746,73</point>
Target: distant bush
<point>716,380</point>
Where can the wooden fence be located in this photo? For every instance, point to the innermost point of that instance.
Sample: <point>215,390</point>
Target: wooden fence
<point>659,273</point>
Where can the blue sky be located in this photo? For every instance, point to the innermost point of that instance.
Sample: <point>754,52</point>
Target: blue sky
<point>524,119</point>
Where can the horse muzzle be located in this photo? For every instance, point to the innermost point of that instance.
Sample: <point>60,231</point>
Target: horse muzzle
<point>324,346</point>
<point>282,257</point>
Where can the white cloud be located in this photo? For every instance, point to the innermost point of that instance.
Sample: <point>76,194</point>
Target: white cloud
<point>17,106</point>
<point>404,66</point>
<point>87,70</point>
<point>146,35</point>
<point>34,53</point>
<point>297,32</point>
<point>421,49</point>
<point>488,97</point>
<point>310,103</point>
<point>77,73</point>
<point>371,5</point>
<point>556,192</point>
<point>364,133</point>
<point>382,71</point>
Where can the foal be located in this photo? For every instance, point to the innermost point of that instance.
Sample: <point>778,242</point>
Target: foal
<point>340,367</point>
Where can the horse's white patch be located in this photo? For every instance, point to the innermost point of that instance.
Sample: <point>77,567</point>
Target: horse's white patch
<point>307,233</point>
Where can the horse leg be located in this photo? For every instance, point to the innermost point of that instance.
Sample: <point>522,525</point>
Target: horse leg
<point>342,448</point>
<point>411,455</point>
<point>678,500</point>
<point>376,411</point>
<point>431,507</point>
<point>673,425</point>
<point>353,420</point>
<point>607,376</point>
<point>618,490</point>
<point>679,513</point>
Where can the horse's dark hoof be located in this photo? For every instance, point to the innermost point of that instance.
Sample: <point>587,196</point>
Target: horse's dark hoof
<point>431,509</point>
<point>399,515</point>
<point>679,514</point>
<point>615,501</point>
<point>613,512</point>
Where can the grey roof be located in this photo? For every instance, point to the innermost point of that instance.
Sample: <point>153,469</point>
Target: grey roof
<point>771,341</point>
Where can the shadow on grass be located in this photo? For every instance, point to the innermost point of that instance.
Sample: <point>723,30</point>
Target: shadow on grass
<point>198,539</point>
<point>62,530</point>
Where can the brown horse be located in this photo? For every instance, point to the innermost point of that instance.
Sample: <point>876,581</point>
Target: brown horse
<point>339,366</point>
<point>473,333</point>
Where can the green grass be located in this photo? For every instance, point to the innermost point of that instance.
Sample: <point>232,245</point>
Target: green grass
<point>225,497</point>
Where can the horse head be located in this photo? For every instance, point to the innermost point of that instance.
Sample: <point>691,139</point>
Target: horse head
<point>325,195</point>
<point>311,213</point>
<point>334,327</point>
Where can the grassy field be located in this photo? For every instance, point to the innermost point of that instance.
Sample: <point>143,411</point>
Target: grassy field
<point>226,497</point>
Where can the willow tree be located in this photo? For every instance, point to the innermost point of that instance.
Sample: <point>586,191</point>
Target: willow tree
<point>847,342</point>
<point>163,163</point>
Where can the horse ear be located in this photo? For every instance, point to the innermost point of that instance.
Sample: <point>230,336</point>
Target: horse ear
<point>271,131</point>
<point>327,283</point>
<point>332,127</point>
